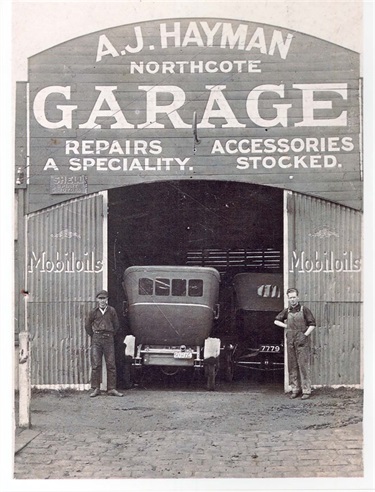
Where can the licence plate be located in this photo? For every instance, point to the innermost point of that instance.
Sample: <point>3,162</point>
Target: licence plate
<point>270,348</point>
<point>182,355</point>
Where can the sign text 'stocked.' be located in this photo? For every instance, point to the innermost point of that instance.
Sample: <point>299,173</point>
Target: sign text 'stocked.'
<point>194,98</point>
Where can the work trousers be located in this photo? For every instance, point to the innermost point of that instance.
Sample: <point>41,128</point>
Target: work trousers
<point>298,347</point>
<point>103,344</point>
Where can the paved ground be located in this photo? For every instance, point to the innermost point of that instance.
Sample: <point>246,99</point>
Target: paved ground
<point>190,433</point>
<point>171,454</point>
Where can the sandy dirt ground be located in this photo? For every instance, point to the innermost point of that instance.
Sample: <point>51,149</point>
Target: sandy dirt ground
<point>168,403</point>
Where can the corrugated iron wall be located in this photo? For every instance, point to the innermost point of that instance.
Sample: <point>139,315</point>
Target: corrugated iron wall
<point>324,263</point>
<point>64,271</point>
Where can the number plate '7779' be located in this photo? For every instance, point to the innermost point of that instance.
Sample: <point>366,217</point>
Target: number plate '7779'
<point>270,348</point>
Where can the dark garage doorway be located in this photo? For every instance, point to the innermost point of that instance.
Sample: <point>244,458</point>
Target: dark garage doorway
<point>234,227</point>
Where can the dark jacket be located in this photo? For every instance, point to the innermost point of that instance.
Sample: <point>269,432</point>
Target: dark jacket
<point>103,323</point>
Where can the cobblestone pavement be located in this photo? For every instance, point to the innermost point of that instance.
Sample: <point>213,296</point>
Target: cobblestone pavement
<point>68,443</point>
<point>171,454</point>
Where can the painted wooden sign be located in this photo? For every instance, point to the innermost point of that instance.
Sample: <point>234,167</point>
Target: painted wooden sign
<point>195,99</point>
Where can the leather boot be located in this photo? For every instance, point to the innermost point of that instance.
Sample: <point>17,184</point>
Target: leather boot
<point>114,392</point>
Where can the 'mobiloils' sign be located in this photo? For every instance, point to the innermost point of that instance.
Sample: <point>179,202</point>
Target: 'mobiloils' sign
<point>195,99</point>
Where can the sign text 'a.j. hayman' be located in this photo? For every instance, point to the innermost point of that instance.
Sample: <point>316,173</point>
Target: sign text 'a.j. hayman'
<point>195,98</point>
<point>200,34</point>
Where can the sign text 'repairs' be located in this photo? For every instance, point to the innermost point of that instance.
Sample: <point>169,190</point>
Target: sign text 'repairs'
<point>195,99</point>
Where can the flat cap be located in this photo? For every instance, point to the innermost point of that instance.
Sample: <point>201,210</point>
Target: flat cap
<point>102,293</point>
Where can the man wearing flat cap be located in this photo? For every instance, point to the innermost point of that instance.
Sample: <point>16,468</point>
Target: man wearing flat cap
<point>101,325</point>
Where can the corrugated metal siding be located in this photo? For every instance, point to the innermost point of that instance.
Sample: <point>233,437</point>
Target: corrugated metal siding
<point>65,243</point>
<point>337,343</point>
<point>324,264</point>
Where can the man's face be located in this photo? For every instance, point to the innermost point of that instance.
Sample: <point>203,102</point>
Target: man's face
<point>293,299</point>
<point>102,301</point>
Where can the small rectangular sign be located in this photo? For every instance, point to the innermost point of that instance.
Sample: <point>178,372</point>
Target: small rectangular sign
<point>65,185</point>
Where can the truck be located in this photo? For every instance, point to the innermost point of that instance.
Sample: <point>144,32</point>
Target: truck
<point>258,298</point>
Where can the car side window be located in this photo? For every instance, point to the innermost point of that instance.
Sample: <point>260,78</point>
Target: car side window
<point>145,286</point>
<point>195,288</point>
<point>178,287</point>
<point>162,286</point>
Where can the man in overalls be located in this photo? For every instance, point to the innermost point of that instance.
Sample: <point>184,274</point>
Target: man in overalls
<point>299,323</point>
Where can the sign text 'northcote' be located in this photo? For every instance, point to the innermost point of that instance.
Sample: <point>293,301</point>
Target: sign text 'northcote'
<point>188,98</point>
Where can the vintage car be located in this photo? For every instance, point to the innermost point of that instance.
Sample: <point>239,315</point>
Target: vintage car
<point>171,312</point>
<point>258,298</point>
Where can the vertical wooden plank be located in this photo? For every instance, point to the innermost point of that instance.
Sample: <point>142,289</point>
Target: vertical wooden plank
<point>24,380</point>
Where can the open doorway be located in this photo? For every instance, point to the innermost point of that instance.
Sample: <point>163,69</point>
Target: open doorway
<point>234,227</point>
